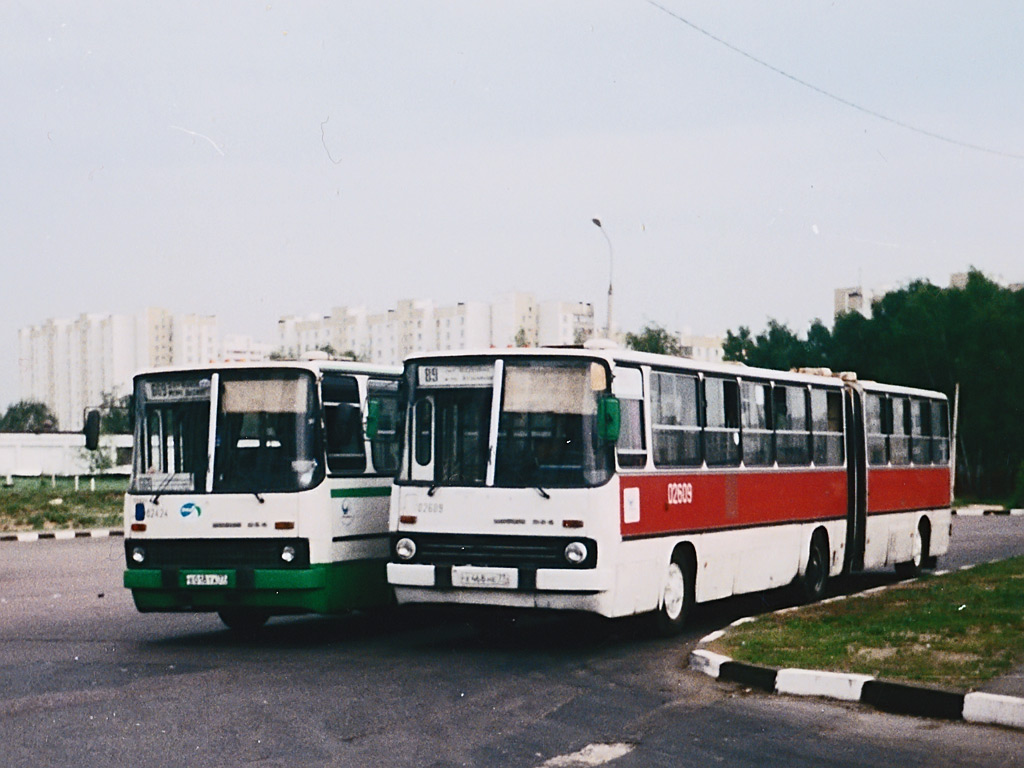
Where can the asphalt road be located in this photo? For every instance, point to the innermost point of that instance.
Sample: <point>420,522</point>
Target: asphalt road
<point>87,681</point>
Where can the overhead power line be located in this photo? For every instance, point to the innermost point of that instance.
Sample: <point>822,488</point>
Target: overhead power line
<point>830,95</point>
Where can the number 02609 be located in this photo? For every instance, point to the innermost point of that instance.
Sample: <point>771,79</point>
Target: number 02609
<point>680,493</point>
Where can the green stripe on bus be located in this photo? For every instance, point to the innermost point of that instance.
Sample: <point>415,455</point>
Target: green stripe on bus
<point>342,493</point>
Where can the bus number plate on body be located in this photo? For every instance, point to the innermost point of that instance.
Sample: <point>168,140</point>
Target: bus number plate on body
<point>206,580</point>
<point>485,578</point>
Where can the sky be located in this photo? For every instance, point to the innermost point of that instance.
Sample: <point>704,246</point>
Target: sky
<point>257,160</point>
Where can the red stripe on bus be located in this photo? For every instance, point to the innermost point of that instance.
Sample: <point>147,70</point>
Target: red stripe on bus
<point>701,502</point>
<point>891,489</point>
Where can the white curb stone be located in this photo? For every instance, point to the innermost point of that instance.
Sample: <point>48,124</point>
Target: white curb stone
<point>708,662</point>
<point>834,685</point>
<point>970,512</point>
<point>993,708</point>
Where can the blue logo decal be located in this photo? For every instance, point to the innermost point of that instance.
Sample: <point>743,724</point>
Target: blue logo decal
<point>140,512</point>
<point>188,508</point>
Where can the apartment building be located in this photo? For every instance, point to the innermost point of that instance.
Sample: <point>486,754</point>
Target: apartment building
<point>563,323</point>
<point>417,325</point>
<point>69,364</point>
<point>514,320</point>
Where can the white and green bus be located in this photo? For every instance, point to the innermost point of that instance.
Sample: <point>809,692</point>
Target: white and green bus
<point>254,491</point>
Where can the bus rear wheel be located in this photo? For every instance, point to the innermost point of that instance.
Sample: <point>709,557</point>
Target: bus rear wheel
<point>677,597</point>
<point>812,583</point>
<point>243,621</point>
<point>921,559</point>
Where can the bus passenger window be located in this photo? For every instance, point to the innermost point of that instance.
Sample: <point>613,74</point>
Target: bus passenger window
<point>827,426</point>
<point>875,411</point>
<point>630,447</point>
<point>920,431</point>
<point>757,435</point>
<point>674,420</point>
<point>722,422</point>
<point>789,415</point>
<point>899,439</point>
<point>385,449</point>
<point>940,432</point>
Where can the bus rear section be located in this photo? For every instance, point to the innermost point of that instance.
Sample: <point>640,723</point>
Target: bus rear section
<point>901,512</point>
<point>623,483</point>
<point>255,493</point>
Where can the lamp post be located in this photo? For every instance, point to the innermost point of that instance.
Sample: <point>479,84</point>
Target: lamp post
<point>597,223</point>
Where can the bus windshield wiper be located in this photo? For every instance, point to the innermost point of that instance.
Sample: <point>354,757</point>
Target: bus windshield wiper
<point>432,490</point>
<point>258,497</point>
<point>543,494</point>
<point>162,488</point>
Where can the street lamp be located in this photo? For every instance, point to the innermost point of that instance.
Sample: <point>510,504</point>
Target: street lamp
<point>597,223</point>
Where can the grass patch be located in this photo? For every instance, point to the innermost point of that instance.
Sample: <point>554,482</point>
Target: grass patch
<point>954,631</point>
<point>36,506</point>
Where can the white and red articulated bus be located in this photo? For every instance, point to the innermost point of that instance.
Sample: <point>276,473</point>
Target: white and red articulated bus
<point>620,482</point>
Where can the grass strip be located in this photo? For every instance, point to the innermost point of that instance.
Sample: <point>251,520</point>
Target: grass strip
<point>45,508</point>
<point>955,630</point>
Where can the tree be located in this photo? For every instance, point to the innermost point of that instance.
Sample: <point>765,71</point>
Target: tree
<point>654,338</point>
<point>738,346</point>
<point>28,416</point>
<point>933,338</point>
<point>115,414</point>
<point>777,347</point>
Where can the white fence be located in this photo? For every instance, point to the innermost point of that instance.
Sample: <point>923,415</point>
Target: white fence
<point>61,453</point>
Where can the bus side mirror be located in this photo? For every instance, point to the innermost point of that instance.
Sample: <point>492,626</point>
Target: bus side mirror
<point>609,419</point>
<point>372,418</point>
<point>92,429</point>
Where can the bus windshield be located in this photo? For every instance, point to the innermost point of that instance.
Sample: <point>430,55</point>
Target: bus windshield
<point>264,436</point>
<point>545,434</point>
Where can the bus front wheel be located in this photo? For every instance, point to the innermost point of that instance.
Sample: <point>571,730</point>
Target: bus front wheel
<point>243,621</point>
<point>677,597</point>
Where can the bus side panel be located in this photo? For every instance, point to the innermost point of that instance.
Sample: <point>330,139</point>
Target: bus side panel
<point>750,530</point>
<point>897,489</point>
<point>355,526</point>
<point>660,504</point>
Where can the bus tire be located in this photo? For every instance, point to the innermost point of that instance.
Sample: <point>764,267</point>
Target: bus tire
<point>813,581</point>
<point>678,596</point>
<point>913,567</point>
<point>243,621</point>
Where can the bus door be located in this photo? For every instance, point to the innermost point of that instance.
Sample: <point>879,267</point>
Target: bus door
<point>856,481</point>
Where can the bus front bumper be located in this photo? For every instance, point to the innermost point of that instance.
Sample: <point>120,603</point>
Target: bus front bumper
<point>321,588</point>
<point>586,589</point>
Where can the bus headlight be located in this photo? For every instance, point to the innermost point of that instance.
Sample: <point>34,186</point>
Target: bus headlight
<point>138,555</point>
<point>576,552</point>
<point>288,553</point>
<point>405,549</point>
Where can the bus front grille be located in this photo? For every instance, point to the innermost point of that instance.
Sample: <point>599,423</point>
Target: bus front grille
<point>494,551</point>
<point>217,553</point>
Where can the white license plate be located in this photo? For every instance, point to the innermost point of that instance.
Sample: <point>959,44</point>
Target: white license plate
<point>485,578</point>
<point>206,579</point>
